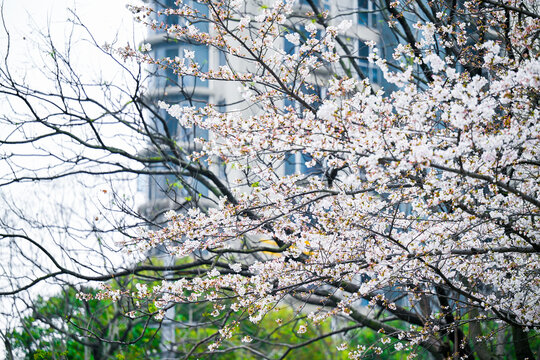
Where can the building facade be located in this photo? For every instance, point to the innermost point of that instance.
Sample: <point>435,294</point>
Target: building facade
<point>165,191</point>
<point>167,86</point>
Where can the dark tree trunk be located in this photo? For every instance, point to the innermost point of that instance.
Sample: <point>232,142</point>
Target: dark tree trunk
<point>521,344</point>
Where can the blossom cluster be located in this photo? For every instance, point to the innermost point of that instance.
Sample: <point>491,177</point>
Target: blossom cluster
<point>430,184</point>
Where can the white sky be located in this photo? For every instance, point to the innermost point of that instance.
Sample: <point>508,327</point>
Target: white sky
<point>103,17</point>
<point>107,20</point>
<point>26,20</point>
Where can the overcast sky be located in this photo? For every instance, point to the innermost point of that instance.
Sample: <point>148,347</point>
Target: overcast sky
<point>26,19</point>
<point>103,17</point>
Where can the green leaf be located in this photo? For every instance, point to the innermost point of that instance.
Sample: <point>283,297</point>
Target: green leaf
<point>177,185</point>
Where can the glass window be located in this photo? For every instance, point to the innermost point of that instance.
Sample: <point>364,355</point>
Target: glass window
<point>180,133</point>
<point>201,58</point>
<point>289,164</point>
<point>198,20</point>
<point>363,53</point>
<point>324,3</point>
<point>370,70</point>
<point>315,90</point>
<point>172,125</point>
<point>289,102</point>
<point>222,57</point>
<point>364,8</point>
<point>171,79</point>
<point>170,122</point>
<point>375,74</point>
<point>171,19</point>
<point>363,50</point>
<point>202,13</point>
<point>295,163</point>
<point>197,185</point>
<point>290,48</point>
<point>161,182</point>
<point>165,19</point>
<point>188,134</point>
<point>159,185</point>
<point>142,183</point>
<point>165,73</point>
<point>304,159</point>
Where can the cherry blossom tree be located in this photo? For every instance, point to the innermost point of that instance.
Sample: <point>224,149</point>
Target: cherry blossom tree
<point>420,217</point>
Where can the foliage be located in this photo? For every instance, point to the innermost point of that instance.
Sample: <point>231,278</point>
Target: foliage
<point>65,327</point>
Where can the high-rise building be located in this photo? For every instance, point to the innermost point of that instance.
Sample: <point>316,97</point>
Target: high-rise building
<point>192,91</point>
<point>166,189</point>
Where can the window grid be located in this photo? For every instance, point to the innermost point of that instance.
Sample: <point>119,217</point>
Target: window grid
<point>369,69</point>
<point>366,16</point>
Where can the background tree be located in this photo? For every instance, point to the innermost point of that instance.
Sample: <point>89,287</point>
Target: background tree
<point>65,327</point>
